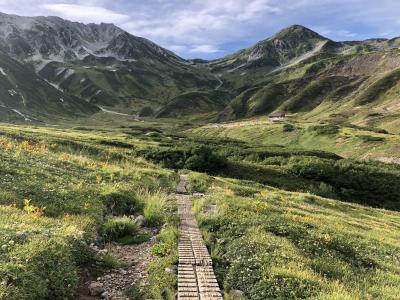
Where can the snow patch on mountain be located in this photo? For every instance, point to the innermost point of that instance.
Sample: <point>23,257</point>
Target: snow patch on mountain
<point>68,73</point>
<point>3,72</point>
<point>26,117</point>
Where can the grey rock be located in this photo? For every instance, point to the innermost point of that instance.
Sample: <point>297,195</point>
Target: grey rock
<point>236,293</point>
<point>123,272</point>
<point>96,288</point>
<point>140,220</point>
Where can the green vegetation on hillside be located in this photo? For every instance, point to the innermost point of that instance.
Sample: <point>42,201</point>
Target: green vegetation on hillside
<point>63,187</point>
<point>58,187</point>
<point>272,244</point>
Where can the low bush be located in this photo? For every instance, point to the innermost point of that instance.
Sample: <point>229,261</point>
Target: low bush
<point>162,284</point>
<point>109,262</point>
<point>371,139</point>
<point>329,129</point>
<point>118,227</point>
<point>204,159</point>
<point>121,202</point>
<point>288,127</point>
<point>369,183</point>
<point>155,207</point>
<point>146,112</point>
<point>34,272</point>
<point>198,182</point>
<point>192,157</point>
<point>159,249</point>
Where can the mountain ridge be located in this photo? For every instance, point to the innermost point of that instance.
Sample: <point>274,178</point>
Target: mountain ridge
<point>296,70</point>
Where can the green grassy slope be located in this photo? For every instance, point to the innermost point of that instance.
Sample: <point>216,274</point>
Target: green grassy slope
<point>127,84</point>
<point>24,91</point>
<point>194,103</point>
<point>353,86</point>
<point>347,141</point>
<point>272,244</point>
<point>56,183</point>
<point>55,194</point>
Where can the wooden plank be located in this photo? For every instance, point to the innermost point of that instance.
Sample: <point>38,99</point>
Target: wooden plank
<point>196,278</point>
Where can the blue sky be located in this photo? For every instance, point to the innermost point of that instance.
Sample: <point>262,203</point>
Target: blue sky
<point>214,28</point>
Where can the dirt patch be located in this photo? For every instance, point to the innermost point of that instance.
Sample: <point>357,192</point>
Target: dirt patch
<point>114,282</point>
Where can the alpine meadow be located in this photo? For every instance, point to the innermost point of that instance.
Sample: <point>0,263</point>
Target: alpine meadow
<point>130,172</point>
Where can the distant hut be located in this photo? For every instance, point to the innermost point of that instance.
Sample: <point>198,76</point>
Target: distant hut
<point>277,116</point>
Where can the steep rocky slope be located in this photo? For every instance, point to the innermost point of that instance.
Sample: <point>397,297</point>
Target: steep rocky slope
<point>25,96</point>
<point>297,71</point>
<point>99,63</point>
<point>300,72</point>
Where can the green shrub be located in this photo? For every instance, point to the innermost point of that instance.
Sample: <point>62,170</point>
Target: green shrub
<point>162,284</point>
<point>371,139</point>
<point>329,129</point>
<point>146,112</point>
<point>204,159</point>
<point>121,202</point>
<point>159,249</point>
<point>134,292</point>
<point>118,227</point>
<point>192,157</point>
<point>155,207</point>
<point>198,182</point>
<point>369,183</point>
<point>109,262</point>
<point>81,252</point>
<point>41,269</point>
<point>288,127</point>
<point>275,161</point>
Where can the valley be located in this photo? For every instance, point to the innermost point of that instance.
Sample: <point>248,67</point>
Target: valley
<point>128,172</point>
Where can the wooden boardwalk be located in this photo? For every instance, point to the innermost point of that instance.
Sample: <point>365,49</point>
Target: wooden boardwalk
<point>196,278</point>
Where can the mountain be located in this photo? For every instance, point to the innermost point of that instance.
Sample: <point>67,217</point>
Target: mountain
<point>297,70</point>
<point>301,72</point>
<point>25,96</point>
<point>291,44</point>
<point>102,64</point>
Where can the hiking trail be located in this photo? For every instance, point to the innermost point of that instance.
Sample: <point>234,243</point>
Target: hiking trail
<point>196,278</point>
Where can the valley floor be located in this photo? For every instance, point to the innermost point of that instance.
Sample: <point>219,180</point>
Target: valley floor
<point>92,207</point>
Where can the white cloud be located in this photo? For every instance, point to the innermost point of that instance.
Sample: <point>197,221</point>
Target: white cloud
<point>87,14</point>
<point>205,49</point>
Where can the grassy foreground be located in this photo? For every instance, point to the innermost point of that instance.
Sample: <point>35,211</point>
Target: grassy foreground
<point>272,244</point>
<point>273,216</point>
<point>57,189</point>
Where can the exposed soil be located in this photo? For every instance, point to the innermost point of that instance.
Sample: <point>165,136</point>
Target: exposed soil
<point>114,282</point>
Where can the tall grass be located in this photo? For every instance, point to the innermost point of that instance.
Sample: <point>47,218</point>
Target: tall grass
<point>155,206</point>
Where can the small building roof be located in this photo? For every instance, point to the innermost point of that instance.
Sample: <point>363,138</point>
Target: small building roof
<point>277,115</point>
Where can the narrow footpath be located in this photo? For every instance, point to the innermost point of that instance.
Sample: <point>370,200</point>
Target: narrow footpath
<point>196,278</point>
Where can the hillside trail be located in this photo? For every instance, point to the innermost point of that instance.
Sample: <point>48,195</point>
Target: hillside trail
<point>196,278</point>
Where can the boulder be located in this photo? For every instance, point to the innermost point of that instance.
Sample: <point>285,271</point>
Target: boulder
<point>236,294</point>
<point>96,288</point>
<point>140,220</point>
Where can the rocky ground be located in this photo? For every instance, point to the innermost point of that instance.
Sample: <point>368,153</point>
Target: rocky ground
<point>113,283</point>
